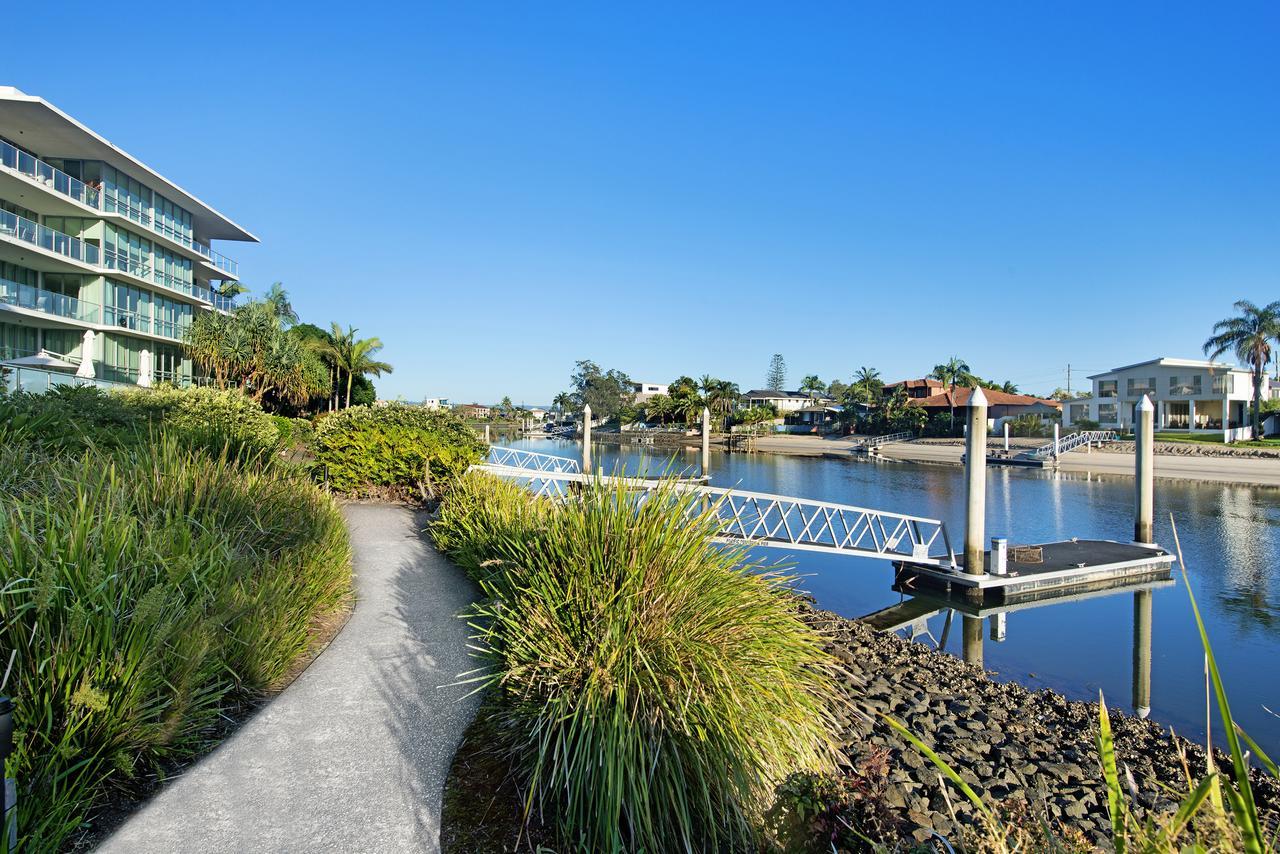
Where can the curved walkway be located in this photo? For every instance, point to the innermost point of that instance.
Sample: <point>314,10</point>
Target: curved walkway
<point>353,755</point>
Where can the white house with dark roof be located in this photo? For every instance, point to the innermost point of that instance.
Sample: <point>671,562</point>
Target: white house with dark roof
<point>1191,395</point>
<point>784,401</point>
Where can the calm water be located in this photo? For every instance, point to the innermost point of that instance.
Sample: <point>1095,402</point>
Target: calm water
<point>1230,539</point>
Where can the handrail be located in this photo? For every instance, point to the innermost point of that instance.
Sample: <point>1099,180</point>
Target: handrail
<point>49,302</point>
<point>28,231</point>
<point>1072,441</point>
<point>877,441</point>
<point>774,521</point>
<point>519,458</point>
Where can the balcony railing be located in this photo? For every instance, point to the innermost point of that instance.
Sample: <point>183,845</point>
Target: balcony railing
<point>52,177</point>
<point>138,322</point>
<point>38,299</point>
<point>21,228</point>
<point>73,188</point>
<point>223,303</point>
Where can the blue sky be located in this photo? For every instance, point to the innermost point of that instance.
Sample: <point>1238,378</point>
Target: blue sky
<point>499,190</point>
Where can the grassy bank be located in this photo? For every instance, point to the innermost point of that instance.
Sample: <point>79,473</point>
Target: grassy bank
<point>161,571</point>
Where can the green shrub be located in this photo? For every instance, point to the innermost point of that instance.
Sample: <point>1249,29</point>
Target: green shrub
<point>654,687</point>
<point>204,417</point>
<point>397,449</point>
<point>148,591</point>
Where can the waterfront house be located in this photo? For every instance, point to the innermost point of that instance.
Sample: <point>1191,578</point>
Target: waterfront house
<point>473,410</point>
<point>784,401</point>
<point>1190,395</point>
<point>1001,406</point>
<point>435,403</point>
<point>103,261</point>
<point>647,391</point>
<point>812,419</point>
<point>916,389</point>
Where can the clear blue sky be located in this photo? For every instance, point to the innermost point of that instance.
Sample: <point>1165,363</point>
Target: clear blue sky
<point>498,190</point>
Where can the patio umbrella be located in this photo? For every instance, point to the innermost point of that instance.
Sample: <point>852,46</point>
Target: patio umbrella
<point>144,369</point>
<point>86,356</point>
<point>43,359</point>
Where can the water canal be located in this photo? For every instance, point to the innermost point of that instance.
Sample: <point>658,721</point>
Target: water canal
<point>1077,646</point>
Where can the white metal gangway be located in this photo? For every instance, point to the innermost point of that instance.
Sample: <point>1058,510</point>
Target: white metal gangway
<point>877,441</point>
<point>1071,442</point>
<point>755,518</point>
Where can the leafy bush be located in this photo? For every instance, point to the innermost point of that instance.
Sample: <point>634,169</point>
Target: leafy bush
<point>1083,424</point>
<point>655,687</point>
<point>398,449</point>
<point>819,813</point>
<point>148,591</point>
<point>294,432</point>
<point>204,417</point>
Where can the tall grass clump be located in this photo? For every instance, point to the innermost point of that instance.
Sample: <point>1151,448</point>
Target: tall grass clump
<point>654,687</point>
<point>394,451</point>
<point>147,592</point>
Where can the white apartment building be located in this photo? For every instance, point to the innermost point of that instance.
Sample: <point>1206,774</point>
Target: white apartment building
<point>104,263</point>
<point>1194,395</point>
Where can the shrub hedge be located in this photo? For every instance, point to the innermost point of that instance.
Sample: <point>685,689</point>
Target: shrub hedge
<point>149,590</point>
<point>652,687</point>
<point>397,449</point>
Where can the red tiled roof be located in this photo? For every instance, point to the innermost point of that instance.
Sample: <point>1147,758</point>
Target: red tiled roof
<point>927,382</point>
<point>994,398</point>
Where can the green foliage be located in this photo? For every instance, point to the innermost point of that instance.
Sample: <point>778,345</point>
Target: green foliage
<point>848,811</point>
<point>149,590</point>
<point>605,391</point>
<point>294,432</point>
<point>1085,424</point>
<point>653,687</point>
<point>397,449</point>
<point>77,417</point>
<point>942,424</point>
<point>775,379</point>
<point>1029,426</point>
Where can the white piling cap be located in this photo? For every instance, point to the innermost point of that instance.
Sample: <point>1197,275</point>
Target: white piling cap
<point>586,407</point>
<point>1145,404</point>
<point>977,398</point>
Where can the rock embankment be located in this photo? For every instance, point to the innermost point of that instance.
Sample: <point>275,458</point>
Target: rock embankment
<point>1008,742</point>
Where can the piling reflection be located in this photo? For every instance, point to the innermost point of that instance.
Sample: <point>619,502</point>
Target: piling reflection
<point>912,614</point>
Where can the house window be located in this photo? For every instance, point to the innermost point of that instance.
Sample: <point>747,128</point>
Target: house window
<point>1185,385</point>
<point>1107,388</point>
<point>1079,412</point>
<point>1224,384</point>
<point>1108,413</point>
<point>1137,387</point>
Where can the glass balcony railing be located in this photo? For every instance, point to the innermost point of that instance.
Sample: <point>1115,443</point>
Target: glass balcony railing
<point>138,322</point>
<point>109,202</point>
<point>21,228</point>
<point>38,299</point>
<point>223,303</point>
<point>55,179</point>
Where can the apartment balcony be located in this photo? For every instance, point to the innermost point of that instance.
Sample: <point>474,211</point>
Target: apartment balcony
<point>48,302</point>
<point>59,183</point>
<point>23,230</point>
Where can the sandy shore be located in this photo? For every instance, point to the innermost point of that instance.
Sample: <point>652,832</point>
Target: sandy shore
<point>1243,470</point>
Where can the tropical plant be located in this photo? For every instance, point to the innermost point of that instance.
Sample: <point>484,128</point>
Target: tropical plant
<point>658,408</point>
<point>653,687</point>
<point>606,392</point>
<point>776,378</point>
<point>563,402</point>
<point>1248,337</point>
<point>396,450</point>
<point>354,356</point>
<point>812,386</point>
<point>952,372</point>
<point>867,387</point>
<point>277,298</point>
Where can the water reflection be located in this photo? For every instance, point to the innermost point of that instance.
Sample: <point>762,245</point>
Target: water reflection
<point>1230,537</point>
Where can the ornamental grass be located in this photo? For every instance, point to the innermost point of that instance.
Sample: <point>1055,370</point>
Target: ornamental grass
<point>651,687</point>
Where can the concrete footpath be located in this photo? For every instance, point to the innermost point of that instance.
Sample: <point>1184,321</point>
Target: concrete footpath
<point>353,755</point>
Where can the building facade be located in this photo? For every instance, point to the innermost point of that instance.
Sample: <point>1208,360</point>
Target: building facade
<point>644,392</point>
<point>104,263</point>
<point>784,401</point>
<point>1191,395</point>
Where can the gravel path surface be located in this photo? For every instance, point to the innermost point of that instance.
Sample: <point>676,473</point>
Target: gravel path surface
<point>353,755</point>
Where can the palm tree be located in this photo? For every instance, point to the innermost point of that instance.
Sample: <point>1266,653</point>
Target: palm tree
<point>563,401</point>
<point>867,385</point>
<point>813,386</point>
<point>1249,337</point>
<point>278,299</point>
<point>360,361</point>
<point>231,289</point>
<point>1009,387</point>
<point>953,371</point>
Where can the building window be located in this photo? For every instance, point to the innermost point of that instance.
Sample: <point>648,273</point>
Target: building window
<point>171,220</point>
<point>173,271</point>
<point>125,196</point>
<point>120,357</point>
<point>1182,386</point>
<point>1137,387</point>
<point>126,307</point>
<point>1107,388</point>
<point>1108,413</point>
<point>169,318</point>
<point>1079,412</point>
<point>17,341</point>
<point>127,251</point>
<point>1224,384</point>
